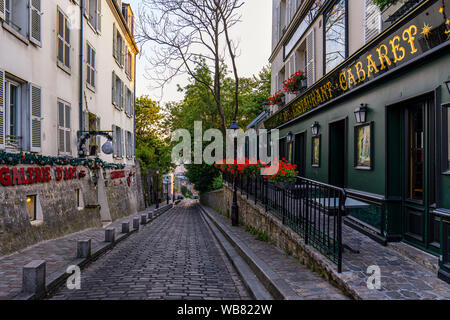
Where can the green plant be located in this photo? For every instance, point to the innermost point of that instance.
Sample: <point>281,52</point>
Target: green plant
<point>262,236</point>
<point>287,251</point>
<point>382,4</point>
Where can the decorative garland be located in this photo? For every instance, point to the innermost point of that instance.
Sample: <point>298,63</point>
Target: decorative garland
<point>31,158</point>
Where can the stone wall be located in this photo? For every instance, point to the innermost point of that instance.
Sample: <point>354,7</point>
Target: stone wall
<point>58,212</point>
<point>215,200</point>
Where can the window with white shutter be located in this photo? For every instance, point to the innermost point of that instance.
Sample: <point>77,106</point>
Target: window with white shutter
<point>114,41</point>
<point>63,40</point>
<point>36,118</point>
<point>99,15</point>
<point>310,59</point>
<point>2,109</point>
<point>35,22</point>
<point>372,20</point>
<point>64,128</point>
<point>114,141</point>
<point>113,88</point>
<point>278,22</point>
<point>90,66</point>
<point>2,9</point>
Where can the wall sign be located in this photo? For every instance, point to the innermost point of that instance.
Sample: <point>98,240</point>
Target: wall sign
<point>423,29</point>
<point>117,174</point>
<point>34,175</point>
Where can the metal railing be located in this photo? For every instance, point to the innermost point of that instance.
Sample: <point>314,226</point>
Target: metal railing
<point>14,142</point>
<point>312,209</point>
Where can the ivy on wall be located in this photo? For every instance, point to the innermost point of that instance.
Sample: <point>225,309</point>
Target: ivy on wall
<point>382,4</point>
<point>31,158</point>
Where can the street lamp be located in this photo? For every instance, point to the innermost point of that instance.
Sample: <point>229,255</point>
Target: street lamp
<point>289,137</point>
<point>234,131</point>
<point>315,128</point>
<point>448,84</point>
<point>157,193</point>
<point>361,113</point>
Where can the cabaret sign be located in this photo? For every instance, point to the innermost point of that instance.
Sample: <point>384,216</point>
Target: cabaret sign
<point>422,30</point>
<point>34,175</point>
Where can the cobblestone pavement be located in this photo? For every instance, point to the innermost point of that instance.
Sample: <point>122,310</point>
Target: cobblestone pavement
<point>58,253</point>
<point>176,257</point>
<point>307,284</point>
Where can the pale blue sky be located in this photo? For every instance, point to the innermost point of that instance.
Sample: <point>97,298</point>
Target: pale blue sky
<point>253,33</point>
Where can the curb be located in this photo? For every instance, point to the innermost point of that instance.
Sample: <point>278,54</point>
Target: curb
<point>57,278</point>
<point>276,286</point>
<point>255,288</point>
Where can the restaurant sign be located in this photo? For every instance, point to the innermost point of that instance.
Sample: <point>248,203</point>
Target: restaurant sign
<point>34,175</point>
<point>425,28</point>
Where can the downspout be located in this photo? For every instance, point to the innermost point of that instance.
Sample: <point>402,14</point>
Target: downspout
<point>81,63</point>
<point>134,113</point>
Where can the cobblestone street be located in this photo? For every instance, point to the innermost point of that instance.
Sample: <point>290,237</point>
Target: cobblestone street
<point>176,257</point>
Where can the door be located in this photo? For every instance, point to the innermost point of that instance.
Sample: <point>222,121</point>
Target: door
<point>337,167</point>
<point>300,153</point>
<point>415,199</point>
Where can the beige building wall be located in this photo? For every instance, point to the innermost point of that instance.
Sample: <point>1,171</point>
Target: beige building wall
<point>282,66</point>
<point>27,63</point>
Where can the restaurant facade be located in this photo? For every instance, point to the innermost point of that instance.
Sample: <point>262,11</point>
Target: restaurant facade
<point>373,115</point>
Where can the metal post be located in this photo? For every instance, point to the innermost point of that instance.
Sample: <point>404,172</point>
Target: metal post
<point>234,207</point>
<point>306,200</point>
<point>167,194</point>
<point>157,195</point>
<point>339,230</point>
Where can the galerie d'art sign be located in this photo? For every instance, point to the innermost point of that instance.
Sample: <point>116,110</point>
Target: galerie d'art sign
<point>423,29</point>
<point>33,175</point>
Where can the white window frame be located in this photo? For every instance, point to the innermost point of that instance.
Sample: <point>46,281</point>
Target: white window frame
<point>91,72</point>
<point>19,114</point>
<point>66,23</point>
<point>66,128</point>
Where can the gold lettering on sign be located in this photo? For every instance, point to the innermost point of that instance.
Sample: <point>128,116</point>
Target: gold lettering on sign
<point>396,49</point>
<point>408,36</point>
<point>371,66</point>
<point>360,71</point>
<point>343,81</point>
<point>383,56</point>
<point>351,78</point>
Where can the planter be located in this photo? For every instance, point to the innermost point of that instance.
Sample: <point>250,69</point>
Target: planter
<point>304,83</point>
<point>288,185</point>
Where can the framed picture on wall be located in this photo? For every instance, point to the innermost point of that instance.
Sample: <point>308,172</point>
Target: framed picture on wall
<point>315,151</point>
<point>364,146</point>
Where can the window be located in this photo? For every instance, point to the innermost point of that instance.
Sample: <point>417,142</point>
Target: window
<point>129,66</point>
<point>31,207</point>
<point>448,137</point>
<point>335,35</point>
<point>130,103</point>
<point>23,19</point>
<point>14,114</point>
<point>119,92</point>
<point>64,131</point>
<point>63,40</point>
<point>79,199</point>
<point>93,13</point>
<point>118,46</point>
<point>372,20</point>
<point>90,66</point>
<point>118,142</point>
<point>129,144</point>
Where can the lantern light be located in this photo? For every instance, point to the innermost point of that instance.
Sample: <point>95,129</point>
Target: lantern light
<point>315,128</point>
<point>361,113</point>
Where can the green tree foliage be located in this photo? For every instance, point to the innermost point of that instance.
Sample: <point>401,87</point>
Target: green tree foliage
<point>382,4</point>
<point>153,148</point>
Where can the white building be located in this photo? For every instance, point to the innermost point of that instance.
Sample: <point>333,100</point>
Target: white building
<point>58,76</point>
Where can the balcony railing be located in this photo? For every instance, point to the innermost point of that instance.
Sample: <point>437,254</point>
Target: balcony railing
<point>312,209</point>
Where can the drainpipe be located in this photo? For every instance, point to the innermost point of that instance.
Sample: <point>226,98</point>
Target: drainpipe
<point>81,63</point>
<point>134,113</point>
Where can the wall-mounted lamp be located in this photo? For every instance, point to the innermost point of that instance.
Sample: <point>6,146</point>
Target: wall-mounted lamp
<point>289,137</point>
<point>448,84</point>
<point>361,113</point>
<point>234,130</point>
<point>315,128</point>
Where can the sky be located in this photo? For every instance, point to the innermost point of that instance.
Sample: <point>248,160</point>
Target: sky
<point>253,34</point>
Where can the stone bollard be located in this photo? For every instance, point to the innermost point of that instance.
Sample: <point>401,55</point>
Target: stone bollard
<point>84,248</point>
<point>110,235</point>
<point>136,223</point>
<point>33,281</point>
<point>144,219</point>
<point>125,227</point>
<point>150,215</point>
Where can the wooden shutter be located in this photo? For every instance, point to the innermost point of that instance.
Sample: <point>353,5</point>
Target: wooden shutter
<point>123,95</point>
<point>35,22</point>
<point>310,61</point>
<point>113,88</point>
<point>372,20</point>
<point>68,126</point>
<point>99,15</point>
<point>61,131</point>
<point>2,109</point>
<point>2,9</point>
<point>279,22</point>
<point>36,118</point>
<point>115,144</point>
<point>114,41</point>
<point>98,138</point>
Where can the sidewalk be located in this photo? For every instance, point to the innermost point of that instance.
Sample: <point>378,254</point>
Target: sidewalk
<point>405,274</point>
<point>307,284</point>
<point>58,254</point>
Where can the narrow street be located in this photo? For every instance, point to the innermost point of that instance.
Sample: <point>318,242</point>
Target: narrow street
<point>176,257</point>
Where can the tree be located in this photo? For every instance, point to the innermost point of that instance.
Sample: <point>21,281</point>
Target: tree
<point>186,34</point>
